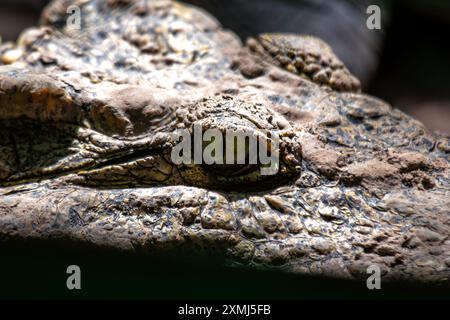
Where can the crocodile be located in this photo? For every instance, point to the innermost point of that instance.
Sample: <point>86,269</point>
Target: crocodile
<point>89,109</point>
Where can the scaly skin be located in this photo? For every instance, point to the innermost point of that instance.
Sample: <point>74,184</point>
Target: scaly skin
<point>87,121</point>
<point>306,56</point>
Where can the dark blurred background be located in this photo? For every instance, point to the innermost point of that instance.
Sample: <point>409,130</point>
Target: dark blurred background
<point>405,63</point>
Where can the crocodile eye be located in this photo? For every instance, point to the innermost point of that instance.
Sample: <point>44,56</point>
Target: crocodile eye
<point>239,156</point>
<point>263,164</point>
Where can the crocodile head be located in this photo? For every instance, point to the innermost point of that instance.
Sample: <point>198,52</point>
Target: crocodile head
<point>141,138</point>
<point>90,147</point>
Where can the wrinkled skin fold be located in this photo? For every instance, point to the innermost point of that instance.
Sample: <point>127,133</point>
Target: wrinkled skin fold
<point>87,120</point>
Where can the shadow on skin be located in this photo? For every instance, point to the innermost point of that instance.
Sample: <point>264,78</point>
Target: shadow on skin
<point>37,269</point>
